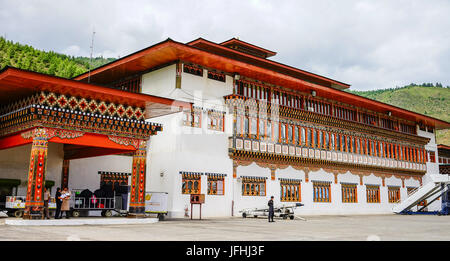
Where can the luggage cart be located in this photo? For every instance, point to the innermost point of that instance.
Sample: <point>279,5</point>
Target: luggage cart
<point>80,205</point>
<point>15,206</point>
<point>156,203</point>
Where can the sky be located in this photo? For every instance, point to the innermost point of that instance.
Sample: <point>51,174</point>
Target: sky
<point>370,45</point>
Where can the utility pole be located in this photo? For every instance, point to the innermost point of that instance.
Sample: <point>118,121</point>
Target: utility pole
<point>90,59</point>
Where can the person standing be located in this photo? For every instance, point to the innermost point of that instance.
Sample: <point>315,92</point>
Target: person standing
<point>271,211</point>
<point>58,202</point>
<point>65,206</point>
<point>46,201</point>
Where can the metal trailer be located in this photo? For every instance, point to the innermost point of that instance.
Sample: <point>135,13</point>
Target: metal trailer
<point>284,211</point>
<point>15,205</point>
<point>156,203</point>
<point>79,205</point>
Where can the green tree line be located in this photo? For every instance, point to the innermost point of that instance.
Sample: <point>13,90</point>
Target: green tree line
<point>28,58</point>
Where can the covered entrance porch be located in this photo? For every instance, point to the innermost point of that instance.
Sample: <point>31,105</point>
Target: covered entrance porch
<point>40,112</point>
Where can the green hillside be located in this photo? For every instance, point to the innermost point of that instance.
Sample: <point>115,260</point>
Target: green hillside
<point>29,58</point>
<point>428,99</point>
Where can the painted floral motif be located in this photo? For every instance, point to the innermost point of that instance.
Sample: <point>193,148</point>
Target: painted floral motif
<point>125,141</point>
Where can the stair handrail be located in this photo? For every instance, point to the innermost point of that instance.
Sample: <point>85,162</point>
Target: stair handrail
<point>410,193</point>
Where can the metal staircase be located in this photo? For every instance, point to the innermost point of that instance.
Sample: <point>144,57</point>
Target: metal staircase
<point>431,191</point>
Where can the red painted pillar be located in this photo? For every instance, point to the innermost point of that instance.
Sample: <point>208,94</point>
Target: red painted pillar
<point>137,200</point>
<point>65,174</point>
<point>36,175</point>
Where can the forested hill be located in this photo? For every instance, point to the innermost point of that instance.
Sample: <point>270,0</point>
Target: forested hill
<point>427,98</point>
<point>28,58</point>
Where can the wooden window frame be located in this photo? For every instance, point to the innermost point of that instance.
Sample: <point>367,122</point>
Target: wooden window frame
<point>185,189</point>
<point>372,194</point>
<point>393,194</point>
<point>290,197</point>
<point>349,193</point>
<point>211,181</point>
<point>253,192</point>
<point>321,192</point>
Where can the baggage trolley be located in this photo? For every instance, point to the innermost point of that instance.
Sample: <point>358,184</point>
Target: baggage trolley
<point>15,206</point>
<point>79,205</point>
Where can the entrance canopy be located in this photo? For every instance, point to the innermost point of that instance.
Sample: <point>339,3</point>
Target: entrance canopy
<point>90,120</point>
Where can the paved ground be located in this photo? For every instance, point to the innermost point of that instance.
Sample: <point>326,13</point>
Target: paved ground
<point>323,228</point>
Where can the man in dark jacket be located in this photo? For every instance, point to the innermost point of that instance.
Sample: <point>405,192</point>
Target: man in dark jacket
<point>271,211</point>
<point>58,201</point>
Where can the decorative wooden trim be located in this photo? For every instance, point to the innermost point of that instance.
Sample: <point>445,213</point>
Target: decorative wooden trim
<point>125,141</point>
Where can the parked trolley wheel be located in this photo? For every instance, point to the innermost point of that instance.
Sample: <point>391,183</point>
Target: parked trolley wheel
<point>75,213</point>
<point>244,215</point>
<point>291,217</point>
<point>18,213</point>
<point>108,213</point>
<point>160,217</point>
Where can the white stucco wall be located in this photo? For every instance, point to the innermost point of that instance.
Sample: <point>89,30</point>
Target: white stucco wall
<point>83,173</point>
<point>14,163</point>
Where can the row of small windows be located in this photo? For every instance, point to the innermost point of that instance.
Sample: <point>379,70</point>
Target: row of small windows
<point>215,120</point>
<point>264,93</point>
<point>261,92</point>
<point>314,138</point>
<point>291,191</point>
<point>192,185</point>
<point>197,70</point>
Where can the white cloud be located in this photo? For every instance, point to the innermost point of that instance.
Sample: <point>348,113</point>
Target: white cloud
<point>368,44</point>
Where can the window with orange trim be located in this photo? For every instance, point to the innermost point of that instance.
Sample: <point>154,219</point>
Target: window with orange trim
<point>393,194</point>
<point>349,193</point>
<point>321,191</point>
<point>253,187</point>
<point>290,191</point>
<point>216,185</point>
<point>373,194</point>
<point>191,184</point>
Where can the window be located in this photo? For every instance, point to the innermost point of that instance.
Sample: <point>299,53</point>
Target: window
<point>113,179</point>
<point>309,138</point>
<point>253,127</point>
<point>321,191</point>
<point>239,125</point>
<point>303,136</point>
<point>246,126</point>
<point>253,186</point>
<point>192,69</point>
<point>191,184</point>
<point>215,121</point>
<point>349,193</point>
<point>290,190</point>
<point>131,84</point>
<point>373,194</point>
<point>193,118</point>
<point>432,156</point>
<point>216,184</point>
<point>353,144</point>
<point>393,194</point>
<point>316,138</point>
<point>216,76</point>
<point>289,134</point>
<point>262,132</point>
<point>276,132</point>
